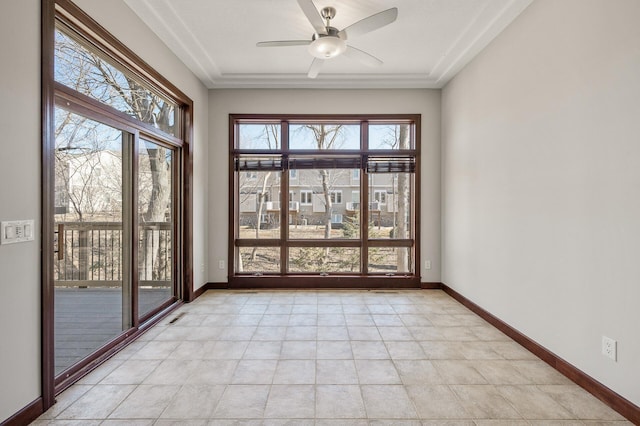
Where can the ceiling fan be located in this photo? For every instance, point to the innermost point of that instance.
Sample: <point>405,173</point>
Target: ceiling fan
<point>328,42</point>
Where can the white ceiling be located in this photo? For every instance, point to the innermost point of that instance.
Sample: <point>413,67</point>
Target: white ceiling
<point>424,48</point>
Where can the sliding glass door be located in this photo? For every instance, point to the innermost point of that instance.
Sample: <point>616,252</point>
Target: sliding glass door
<point>115,225</point>
<point>92,265</point>
<point>156,224</point>
<point>116,178</point>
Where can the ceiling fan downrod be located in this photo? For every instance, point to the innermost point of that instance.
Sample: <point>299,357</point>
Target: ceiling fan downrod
<point>328,13</point>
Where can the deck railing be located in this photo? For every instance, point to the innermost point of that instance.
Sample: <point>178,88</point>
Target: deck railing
<point>91,254</point>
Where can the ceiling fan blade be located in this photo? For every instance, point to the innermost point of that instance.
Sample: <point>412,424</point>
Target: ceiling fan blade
<point>362,56</point>
<point>370,23</point>
<point>313,16</point>
<point>283,43</point>
<point>315,67</point>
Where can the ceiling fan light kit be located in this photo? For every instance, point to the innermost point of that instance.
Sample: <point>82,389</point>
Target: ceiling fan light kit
<point>327,46</point>
<point>328,42</point>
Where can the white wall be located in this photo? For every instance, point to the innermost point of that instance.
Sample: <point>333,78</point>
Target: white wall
<point>20,176</point>
<point>19,199</point>
<point>541,182</point>
<point>224,102</point>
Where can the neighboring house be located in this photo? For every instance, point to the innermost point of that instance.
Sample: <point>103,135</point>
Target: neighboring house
<point>307,204</point>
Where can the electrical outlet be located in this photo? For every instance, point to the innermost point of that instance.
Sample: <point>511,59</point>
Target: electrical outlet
<point>427,264</point>
<point>220,264</point>
<point>609,348</point>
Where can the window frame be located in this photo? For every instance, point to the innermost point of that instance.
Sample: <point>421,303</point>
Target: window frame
<point>66,14</point>
<point>306,197</point>
<point>293,159</point>
<point>380,196</point>
<point>336,196</point>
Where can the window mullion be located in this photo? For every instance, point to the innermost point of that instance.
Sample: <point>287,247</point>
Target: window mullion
<point>364,217</point>
<point>284,199</point>
<point>364,199</point>
<point>284,216</point>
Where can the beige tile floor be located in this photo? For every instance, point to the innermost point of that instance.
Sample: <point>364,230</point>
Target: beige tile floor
<point>326,358</point>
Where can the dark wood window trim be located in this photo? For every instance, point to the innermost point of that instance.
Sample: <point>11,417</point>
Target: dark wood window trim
<point>364,159</point>
<point>70,15</point>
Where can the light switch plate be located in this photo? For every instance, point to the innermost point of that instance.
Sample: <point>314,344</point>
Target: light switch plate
<point>16,231</point>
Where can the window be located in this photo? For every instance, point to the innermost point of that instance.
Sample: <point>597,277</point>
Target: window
<point>264,196</point>
<point>265,136</point>
<point>92,73</point>
<point>306,197</point>
<point>354,205</point>
<point>388,136</point>
<point>324,136</point>
<point>323,231</point>
<point>380,196</point>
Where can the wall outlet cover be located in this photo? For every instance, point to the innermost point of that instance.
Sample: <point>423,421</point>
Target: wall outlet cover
<point>609,348</point>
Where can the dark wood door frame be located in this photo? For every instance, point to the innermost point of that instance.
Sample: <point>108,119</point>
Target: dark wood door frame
<point>183,247</point>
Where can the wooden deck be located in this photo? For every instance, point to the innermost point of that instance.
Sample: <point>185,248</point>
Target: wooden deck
<point>87,318</point>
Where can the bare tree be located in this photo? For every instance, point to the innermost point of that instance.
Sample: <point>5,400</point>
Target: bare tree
<point>398,137</point>
<point>87,167</point>
<point>88,179</point>
<point>270,134</point>
<point>326,137</point>
<point>90,73</point>
<point>402,203</point>
<point>261,183</point>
